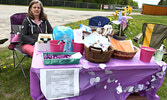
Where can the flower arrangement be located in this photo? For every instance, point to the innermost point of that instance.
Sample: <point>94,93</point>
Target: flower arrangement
<point>121,21</point>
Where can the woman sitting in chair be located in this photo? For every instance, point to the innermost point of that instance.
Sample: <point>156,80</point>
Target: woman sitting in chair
<point>36,22</point>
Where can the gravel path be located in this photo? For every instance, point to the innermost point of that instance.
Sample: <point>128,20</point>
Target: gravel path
<point>55,16</point>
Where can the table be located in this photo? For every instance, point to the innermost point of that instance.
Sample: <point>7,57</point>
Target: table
<point>118,79</point>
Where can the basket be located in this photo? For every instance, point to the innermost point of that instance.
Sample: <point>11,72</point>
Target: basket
<point>55,47</point>
<point>97,55</point>
<point>124,55</point>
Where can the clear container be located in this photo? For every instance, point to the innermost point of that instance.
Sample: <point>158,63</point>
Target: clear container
<point>159,54</point>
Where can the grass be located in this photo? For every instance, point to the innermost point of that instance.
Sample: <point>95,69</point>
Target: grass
<point>13,84</point>
<point>15,87</point>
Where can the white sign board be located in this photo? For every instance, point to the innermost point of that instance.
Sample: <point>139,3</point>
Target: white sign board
<point>59,83</point>
<point>106,7</point>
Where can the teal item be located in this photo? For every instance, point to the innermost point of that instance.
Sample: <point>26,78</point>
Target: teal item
<point>59,61</point>
<point>85,28</point>
<point>66,34</point>
<point>68,43</point>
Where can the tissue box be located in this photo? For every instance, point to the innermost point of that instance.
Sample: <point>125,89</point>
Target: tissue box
<point>41,46</point>
<point>50,59</point>
<point>43,42</point>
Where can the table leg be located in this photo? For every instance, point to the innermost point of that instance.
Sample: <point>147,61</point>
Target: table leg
<point>35,90</point>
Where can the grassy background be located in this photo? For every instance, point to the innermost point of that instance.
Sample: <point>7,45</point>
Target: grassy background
<point>15,87</point>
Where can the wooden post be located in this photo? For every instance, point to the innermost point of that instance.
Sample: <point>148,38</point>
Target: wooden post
<point>101,7</point>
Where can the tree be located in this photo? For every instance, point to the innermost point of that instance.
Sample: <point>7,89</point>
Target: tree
<point>126,2</point>
<point>121,2</point>
<point>162,2</point>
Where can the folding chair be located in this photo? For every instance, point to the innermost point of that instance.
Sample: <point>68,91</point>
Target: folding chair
<point>153,35</point>
<point>95,21</point>
<point>15,46</point>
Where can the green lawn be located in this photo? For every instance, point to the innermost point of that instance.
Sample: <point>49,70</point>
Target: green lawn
<point>15,87</point>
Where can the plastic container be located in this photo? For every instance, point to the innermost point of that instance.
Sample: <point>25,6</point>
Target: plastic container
<point>55,46</point>
<point>59,61</point>
<point>159,53</point>
<point>78,47</point>
<point>146,54</point>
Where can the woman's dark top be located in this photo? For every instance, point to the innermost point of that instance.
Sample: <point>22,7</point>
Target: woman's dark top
<point>30,30</point>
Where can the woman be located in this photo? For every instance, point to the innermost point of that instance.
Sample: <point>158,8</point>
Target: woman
<point>36,22</point>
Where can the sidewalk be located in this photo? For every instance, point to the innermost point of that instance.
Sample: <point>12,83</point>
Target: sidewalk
<point>55,17</point>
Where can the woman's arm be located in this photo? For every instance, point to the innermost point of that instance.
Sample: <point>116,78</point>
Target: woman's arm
<point>25,33</point>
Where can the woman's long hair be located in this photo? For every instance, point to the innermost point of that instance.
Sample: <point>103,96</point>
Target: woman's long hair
<point>42,15</point>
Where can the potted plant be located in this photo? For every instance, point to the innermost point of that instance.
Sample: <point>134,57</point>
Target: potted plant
<point>121,22</point>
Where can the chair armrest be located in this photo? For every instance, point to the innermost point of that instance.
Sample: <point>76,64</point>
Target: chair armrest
<point>3,40</point>
<point>16,42</point>
<point>137,37</point>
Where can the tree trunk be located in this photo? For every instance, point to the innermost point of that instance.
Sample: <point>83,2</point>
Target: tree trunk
<point>126,2</point>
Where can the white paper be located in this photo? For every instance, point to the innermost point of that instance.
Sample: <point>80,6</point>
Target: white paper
<point>76,55</point>
<point>59,83</point>
<point>116,22</point>
<point>78,36</point>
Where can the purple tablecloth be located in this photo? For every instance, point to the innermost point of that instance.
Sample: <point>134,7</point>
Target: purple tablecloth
<point>117,80</point>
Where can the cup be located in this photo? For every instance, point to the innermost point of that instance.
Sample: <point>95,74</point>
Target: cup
<point>146,53</point>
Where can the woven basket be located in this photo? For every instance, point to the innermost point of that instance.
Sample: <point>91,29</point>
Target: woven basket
<point>124,55</point>
<point>96,55</point>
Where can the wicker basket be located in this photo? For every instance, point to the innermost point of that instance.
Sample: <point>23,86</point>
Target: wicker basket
<point>124,55</point>
<point>96,55</point>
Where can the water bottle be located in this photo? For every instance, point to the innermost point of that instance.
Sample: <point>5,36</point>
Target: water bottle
<point>67,46</point>
<point>159,53</point>
<point>99,24</point>
<point>16,38</point>
<point>98,28</point>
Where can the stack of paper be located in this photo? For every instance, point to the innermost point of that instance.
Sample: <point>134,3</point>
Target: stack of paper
<point>124,45</point>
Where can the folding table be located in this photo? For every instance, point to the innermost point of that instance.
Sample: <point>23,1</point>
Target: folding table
<point>117,81</point>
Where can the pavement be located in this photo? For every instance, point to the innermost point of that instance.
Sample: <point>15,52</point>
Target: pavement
<point>56,16</point>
